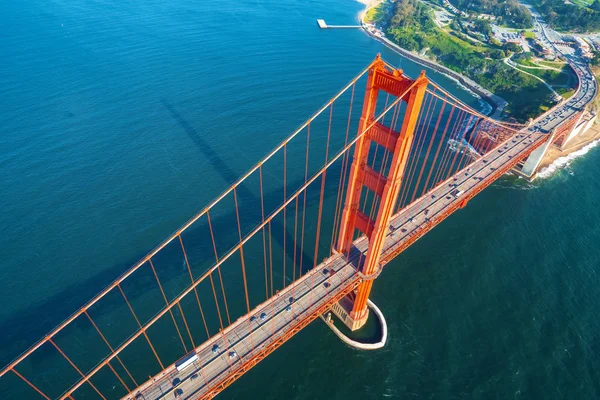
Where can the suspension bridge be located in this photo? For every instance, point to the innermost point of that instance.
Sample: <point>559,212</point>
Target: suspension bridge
<point>308,229</point>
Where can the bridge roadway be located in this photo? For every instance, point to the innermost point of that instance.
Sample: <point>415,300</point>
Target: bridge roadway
<point>586,91</point>
<point>308,297</point>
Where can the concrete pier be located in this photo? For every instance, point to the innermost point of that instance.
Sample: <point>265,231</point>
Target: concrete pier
<point>323,25</point>
<point>360,345</point>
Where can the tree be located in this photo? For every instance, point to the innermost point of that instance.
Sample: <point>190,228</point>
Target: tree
<point>596,59</point>
<point>569,16</point>
<point>512,47</point>
<point>484,27</point>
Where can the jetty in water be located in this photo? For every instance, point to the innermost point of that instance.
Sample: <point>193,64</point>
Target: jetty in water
<point>323,25</point>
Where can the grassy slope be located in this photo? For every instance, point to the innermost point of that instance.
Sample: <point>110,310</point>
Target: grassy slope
<point>553,78</point>
<point>527,98</point>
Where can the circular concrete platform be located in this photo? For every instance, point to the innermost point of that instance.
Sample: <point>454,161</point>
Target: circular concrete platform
<point>359,345</point>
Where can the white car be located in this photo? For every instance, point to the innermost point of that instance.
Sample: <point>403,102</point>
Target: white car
<point>456,192</point>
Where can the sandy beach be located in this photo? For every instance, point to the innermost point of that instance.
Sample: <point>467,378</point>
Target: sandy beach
<point>556,158</point>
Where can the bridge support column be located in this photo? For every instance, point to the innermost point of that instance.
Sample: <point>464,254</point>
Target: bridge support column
<point>353,310</point>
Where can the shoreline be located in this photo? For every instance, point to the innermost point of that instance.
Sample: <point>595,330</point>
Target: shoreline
<point>496,103</point>
<point>556,159</point>
<point>553,160</point>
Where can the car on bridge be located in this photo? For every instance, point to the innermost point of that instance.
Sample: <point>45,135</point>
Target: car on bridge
<point>456,192</point>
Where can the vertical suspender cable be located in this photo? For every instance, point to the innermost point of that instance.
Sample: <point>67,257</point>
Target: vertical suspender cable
<point>271,256</point>
<point>195,290</point>
<point>212,236</point>
<point>294,246</point>
<point>166,302</point>
<point>304,201</point>
<point>458,139</point>
<point>30,384</point>
<point>237,214</point>
<point>424,163</point>
<point>264,240</point>
<point>437,152</point>
<point>284,210</point>
<point>421,133</point>
<point>466,151</point>
<point>212,285</point>
<point>111,348</point>
<point>75,367</point>
<point>342,182</point>
<point>445,153</point>
<point>140,326</point>
<point>321,197</point>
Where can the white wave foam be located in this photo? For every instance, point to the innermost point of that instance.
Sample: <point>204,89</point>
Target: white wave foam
<point>563,162</point>
<point>486,108</point>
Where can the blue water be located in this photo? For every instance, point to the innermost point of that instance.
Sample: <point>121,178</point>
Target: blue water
<point>116,121</point>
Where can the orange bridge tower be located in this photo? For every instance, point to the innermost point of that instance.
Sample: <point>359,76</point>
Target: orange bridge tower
<point>353,309</point>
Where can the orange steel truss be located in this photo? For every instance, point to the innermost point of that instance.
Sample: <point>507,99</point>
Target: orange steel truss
<point>393,82</point>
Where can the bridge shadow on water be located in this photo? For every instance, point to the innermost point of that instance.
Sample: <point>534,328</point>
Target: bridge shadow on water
<point>244,193</point>
<point>25,328</point>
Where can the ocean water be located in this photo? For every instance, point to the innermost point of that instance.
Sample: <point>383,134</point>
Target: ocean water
<point>120,120</point>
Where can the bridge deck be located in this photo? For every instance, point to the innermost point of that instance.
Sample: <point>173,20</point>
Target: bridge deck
<point>426,212</point>
<point>293,304</point>
<point>305,296</point>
